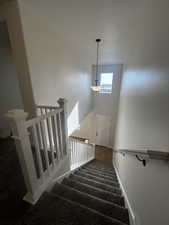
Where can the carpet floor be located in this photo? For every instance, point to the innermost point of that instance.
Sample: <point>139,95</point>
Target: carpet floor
<point>89,196</point>
<point>12,186</point>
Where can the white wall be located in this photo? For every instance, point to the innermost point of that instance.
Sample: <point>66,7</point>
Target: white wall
<point>104,110</point>
<point>86,128</point>
<point>135,34</point>
<point>105,106</point>
<point>10,96</point>
<point>9,14</point>
<point>144,110</point>
<point>144,123</point>
<point>57,69</point>
<point>143,120</point>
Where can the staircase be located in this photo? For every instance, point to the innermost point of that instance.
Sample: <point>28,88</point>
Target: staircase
<point>89,196</point>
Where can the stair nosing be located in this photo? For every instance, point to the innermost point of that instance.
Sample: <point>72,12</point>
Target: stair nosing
<point>103,179</point>
<point>111,179</point>
<point>90,209</point>
<point>97,188</point>
<point>91,196</point>
<point>100,183</point>
<point>101,171</point>
<point>98,171</point>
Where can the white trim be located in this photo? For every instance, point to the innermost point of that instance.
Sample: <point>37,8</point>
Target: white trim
<point>127,202</point>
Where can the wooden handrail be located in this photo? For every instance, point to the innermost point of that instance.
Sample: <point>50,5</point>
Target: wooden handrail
<point>81,140</point>
<point>42,117</point>
<point>47,107</point>
<point>143,155</point>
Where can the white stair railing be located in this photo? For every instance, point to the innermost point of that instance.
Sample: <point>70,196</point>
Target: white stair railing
<point>81,152</point>
<point>41,143</point>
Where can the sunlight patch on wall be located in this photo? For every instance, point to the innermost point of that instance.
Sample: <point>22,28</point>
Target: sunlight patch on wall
<point>73,119</point>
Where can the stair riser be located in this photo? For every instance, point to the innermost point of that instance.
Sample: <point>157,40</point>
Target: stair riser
<point>106,208</point>
<point>105,181</point>
<point>96,184</point>
<point>94,191</point>
<point>57,210</point>
<point>111,178</point>
<point>112,173</point>
<point>97,166</point>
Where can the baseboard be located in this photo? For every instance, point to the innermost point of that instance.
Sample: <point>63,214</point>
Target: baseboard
<point>127,202</point>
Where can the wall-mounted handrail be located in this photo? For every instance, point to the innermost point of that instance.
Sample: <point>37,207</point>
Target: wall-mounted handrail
<point>143,155</point>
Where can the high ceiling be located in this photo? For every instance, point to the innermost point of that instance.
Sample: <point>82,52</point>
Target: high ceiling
<point>131,30</point>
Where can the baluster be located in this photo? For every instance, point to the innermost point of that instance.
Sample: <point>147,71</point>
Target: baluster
<point>63,104</point>
<point>41,111</point>
<point>45,150</point>
<point>60,134</point>
<point>38,153</point>
<point>70,143</point>
<point>39,133</point>
<point>50,138</point>
<point>72,151</point>
<point>55,136</point>
<point>76,152</point>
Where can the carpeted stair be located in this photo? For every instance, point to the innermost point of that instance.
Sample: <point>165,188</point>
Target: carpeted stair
<point>12,186</point>
<point>89,196</point>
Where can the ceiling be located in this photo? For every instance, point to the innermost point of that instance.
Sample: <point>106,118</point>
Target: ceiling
<point>131,30</point>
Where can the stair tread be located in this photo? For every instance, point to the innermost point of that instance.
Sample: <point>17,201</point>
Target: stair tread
<point>95,173</point>
<point>90,196</point>
<point>61,211</point>
<point>96,184</point>
<point>105,195</point>
<point>105,207</point>
<point>104,180</point>
<point>108,172</point>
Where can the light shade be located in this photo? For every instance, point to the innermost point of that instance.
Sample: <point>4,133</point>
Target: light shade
<point>95,88</point>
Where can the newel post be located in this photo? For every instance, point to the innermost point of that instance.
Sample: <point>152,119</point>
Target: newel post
<point>17,120</point>
<point>63,104</point>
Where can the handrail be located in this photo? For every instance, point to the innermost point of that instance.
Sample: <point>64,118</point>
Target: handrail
<point>143,155</point>
<point>43,117</point>
<point>80,141</point>
<point>47,107</point>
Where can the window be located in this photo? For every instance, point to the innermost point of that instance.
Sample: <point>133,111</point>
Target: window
<point>106,80</point>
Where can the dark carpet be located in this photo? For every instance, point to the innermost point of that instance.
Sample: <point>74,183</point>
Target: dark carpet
<point>12,186</point>
<point>90,196</point>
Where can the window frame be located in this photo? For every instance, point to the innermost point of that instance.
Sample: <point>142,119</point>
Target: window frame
<point>100,78</point>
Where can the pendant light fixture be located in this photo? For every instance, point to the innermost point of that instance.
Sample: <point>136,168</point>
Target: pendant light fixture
<point>97,86</point>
